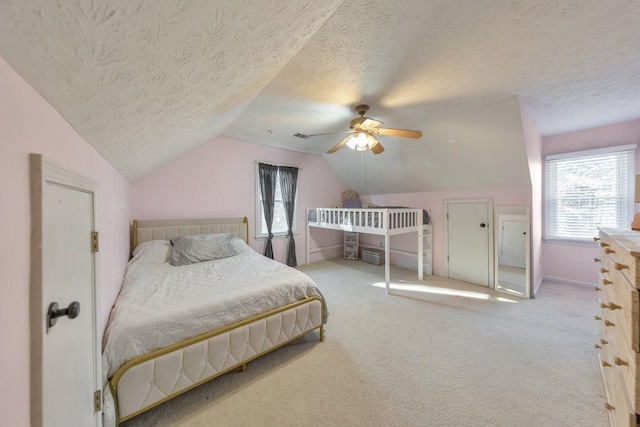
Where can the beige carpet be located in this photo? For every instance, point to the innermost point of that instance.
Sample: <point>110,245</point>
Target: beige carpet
<point>457,355</point>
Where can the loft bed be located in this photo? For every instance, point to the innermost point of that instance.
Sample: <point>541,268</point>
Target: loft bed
<point>385,222</point>
<point>199,321</point>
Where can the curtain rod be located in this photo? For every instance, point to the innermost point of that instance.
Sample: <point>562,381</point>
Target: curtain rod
<point>255,162</point>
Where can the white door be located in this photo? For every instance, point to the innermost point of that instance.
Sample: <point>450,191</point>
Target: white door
<point>513,245</point>
<point>468,242</point>
<point>69,351</point>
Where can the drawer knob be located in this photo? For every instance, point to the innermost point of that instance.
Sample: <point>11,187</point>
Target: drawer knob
<point>620,362</point>
<point>597,260</point>
<point>604,270</point>
<point>595,239</point>
<point>613,306</point>
<point>609,251</point>
<point>597,317</point>
<point>609,406</point>
<point>597,346</point>
<point>603,244</point>
<point>606,282</point>
<point>619,266</point>
<point>604,342</point>
<point>607,323</point>
<point>598,289</point>
<point>606,364</point>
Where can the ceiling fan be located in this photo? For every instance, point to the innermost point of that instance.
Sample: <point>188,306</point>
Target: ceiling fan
<point>363,130</point>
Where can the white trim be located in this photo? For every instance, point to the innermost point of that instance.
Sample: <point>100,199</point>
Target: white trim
<point>275,236</point>
<point>592,152</point>
<point>545,184</point>
<point>536,288</point>
<point>490,209</point>
<point>393,251</point>
<point>43,171</point>
<point>562,281</point>
<point>496,256</point>
<point>567,242</point>
<point>258,234</point>
<point>324,248</point>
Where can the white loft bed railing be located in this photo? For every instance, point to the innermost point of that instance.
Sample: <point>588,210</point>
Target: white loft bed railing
<point>384,222</point>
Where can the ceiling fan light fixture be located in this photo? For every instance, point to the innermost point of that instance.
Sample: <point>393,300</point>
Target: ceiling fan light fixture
<point>363,132</point>
<point>361,141</point>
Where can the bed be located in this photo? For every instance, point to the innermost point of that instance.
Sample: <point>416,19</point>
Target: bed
<point>385,222</point>
<point>174,328</point>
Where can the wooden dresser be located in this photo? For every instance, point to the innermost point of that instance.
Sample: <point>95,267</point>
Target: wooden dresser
<point>619,322</point>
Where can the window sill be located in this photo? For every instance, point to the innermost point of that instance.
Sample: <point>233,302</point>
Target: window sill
<point>276,236</point>
<point>571,242</point>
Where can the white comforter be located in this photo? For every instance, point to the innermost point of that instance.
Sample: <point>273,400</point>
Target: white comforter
<point>160,304</point>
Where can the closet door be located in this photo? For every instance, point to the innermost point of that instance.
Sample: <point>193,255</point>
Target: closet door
<point>469,244</point>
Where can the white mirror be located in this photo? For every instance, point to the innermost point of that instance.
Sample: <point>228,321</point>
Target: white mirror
<point>512,250</point>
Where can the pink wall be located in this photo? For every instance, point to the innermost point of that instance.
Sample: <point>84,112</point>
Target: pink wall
<point>217,179</point>
<point>533,143</point>
<point>434,201</point>
<point>28,124</point>
<point>575,262</point>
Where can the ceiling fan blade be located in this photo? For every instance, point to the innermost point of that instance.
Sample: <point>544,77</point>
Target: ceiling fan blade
<point>377,149</point>
<point>364,123</point>
<point>329,133</point>
<point>339,145</point>
<point>405,133</point>
<point>370,123</point>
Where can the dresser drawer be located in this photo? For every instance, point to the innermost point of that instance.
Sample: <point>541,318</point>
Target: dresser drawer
<point>623,413</point>
<point>620,361</point>
<point>617,402</point>
<point>617,258</point>
<point>620,304</point>
<point>620,324</point>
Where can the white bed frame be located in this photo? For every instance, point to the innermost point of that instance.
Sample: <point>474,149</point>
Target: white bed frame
<point>383,222</point>
<point>151,379</point>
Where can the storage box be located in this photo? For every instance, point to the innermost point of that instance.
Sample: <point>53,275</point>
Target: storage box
<point>373,256</point>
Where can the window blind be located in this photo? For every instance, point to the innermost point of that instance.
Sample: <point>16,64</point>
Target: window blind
<point>588,189</point>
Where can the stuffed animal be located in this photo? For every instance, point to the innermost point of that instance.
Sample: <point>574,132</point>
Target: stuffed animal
<point>351,199</point>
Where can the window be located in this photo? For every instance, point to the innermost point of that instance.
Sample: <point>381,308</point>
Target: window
<point>588,189</point>
<point>279,227</point>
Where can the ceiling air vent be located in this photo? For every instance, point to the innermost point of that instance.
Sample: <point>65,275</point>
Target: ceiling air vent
<point>301,135</point>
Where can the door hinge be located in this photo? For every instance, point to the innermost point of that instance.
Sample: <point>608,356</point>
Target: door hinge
<point>95,245</point>
<point>97,401</point>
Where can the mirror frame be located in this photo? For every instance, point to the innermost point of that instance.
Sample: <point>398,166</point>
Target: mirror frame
<point>496,247</point>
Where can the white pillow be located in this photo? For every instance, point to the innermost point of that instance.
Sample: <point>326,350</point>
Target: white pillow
<point>154,251</point>
<point>240,245</point>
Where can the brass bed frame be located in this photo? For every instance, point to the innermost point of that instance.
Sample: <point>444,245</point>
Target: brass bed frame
<point>124,385</point>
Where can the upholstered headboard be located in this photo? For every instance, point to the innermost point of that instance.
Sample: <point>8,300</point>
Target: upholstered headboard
<point>145,231</point>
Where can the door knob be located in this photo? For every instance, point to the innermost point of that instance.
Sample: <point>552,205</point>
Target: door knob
<point>55,311</point>
<point>483,225</point>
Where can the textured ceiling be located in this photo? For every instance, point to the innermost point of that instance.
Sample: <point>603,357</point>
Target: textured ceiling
<point>145,83</point>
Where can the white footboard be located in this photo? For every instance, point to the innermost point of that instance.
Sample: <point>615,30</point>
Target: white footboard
<point>151,379</point>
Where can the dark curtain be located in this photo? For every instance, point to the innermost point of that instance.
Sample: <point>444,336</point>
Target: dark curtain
<point>268,175</point>
<point>288,185</point>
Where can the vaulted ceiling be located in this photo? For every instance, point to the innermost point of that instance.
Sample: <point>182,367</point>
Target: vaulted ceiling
<point>145,82</point>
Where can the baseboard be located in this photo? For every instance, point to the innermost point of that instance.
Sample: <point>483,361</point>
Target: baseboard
<point>324,253</point>
<point>393,251</point>
<point>398,262</point>
<point>567,282</point>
